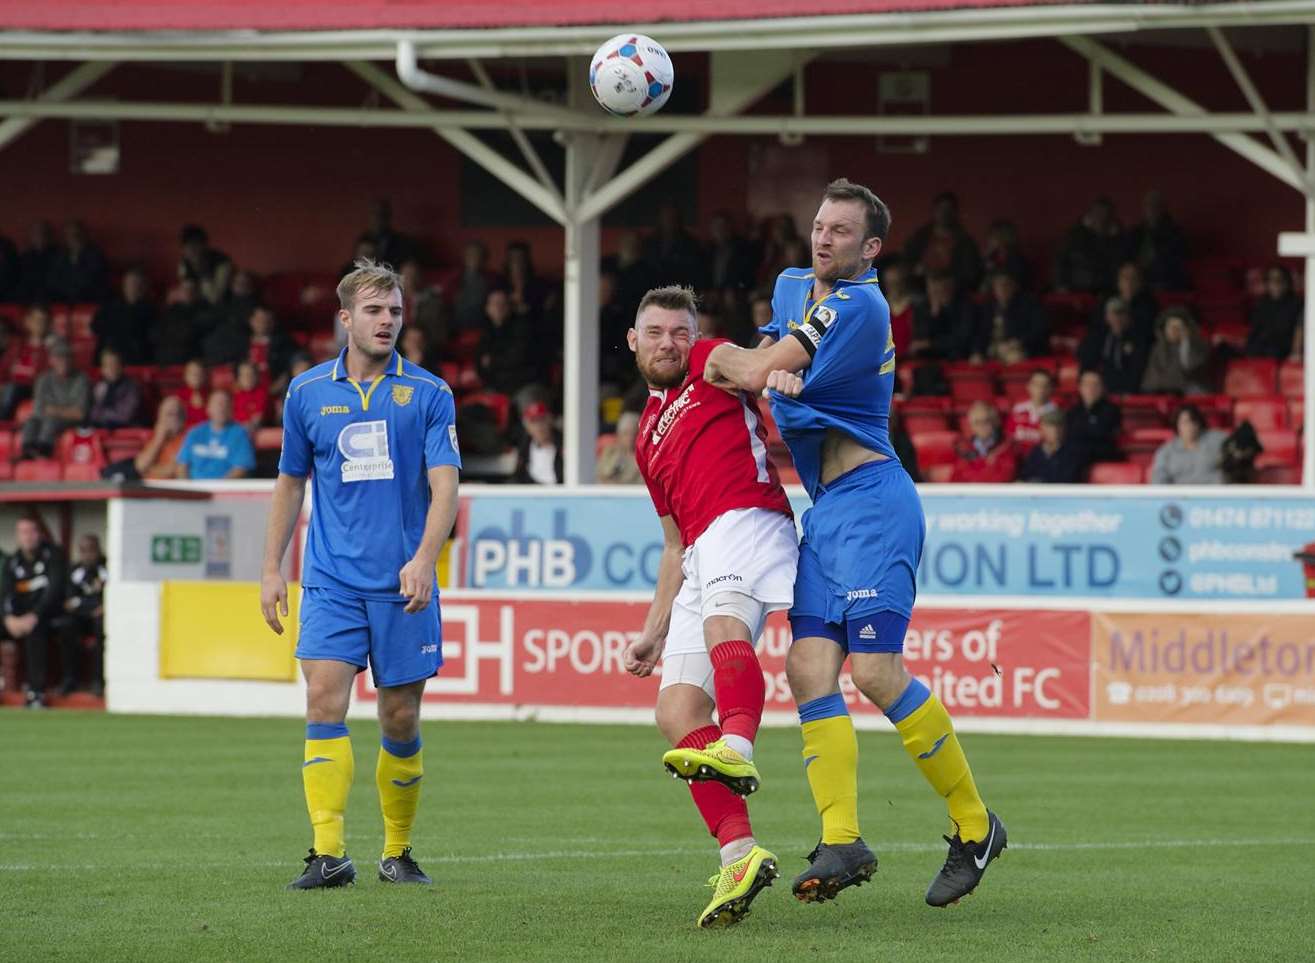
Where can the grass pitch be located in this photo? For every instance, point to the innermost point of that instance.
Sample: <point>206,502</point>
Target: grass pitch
<point>132,838</point>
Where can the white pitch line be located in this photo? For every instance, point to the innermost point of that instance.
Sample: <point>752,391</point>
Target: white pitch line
<point>899,847</point>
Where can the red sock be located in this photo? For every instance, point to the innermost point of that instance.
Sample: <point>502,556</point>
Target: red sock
<point>737,679</point>
<point>726,814</point>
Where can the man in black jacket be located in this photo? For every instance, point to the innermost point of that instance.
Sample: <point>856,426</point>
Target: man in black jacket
<point>1092,425</point>
<point>31,595</point>
<point>84,615</point>
<point>1055,460</point>
<point>1116,350</point>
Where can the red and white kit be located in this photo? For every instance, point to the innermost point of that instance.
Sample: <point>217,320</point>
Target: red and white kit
<point>703,453</point>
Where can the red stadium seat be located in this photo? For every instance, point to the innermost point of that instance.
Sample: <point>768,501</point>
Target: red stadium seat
<point>6,470</point>
<point>1117,473</point>
<point>1251,377</point>
<point>1282,447</point>
<point>138,436</point>
<point>268,439</point>
<point>8,444</point>
<point>1291,379</point>
<point>1297,413</point>
<point>1279,475</point>
<point>972,389</point>
<point>499,404</point>
<point>38,470</point>
<point>920,422</point>
<point>80,317</point>
<point>24,410</point>
<point>935,447</point>
<point>82,472</point>
<point>222,376</point>
<point>925,404</point>
<point>938,474</point>
<point>1263,413</point>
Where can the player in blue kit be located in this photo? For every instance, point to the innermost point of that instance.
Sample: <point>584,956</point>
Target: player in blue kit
<point>377,436</point>
<point>827,362</point>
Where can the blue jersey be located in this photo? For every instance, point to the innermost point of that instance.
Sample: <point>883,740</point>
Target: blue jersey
<point>368,449</point>
<point>849,384</point>
<point>209,454</point>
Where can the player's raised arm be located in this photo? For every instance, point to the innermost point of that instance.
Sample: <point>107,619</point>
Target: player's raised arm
<point>416,577</point>
<point>284,507</point>
<point>641,657</point>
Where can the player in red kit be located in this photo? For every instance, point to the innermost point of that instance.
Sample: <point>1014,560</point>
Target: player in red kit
<point>729,558</point>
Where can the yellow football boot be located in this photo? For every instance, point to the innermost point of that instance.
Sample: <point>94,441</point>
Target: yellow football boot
<point>717,762</point>
<point>735,887</point>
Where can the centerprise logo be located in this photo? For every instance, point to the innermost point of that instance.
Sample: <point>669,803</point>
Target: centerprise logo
<point>364,448</point>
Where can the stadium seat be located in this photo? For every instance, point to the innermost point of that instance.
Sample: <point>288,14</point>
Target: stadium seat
<point>139,436</point>
<point>1251,377</point>
<point>1232,333</point>
<point>268,439</point>
<point>917,422</point>
<point>82,472</point>
<point>936,447</point>
<point>1117,473</point>
<point>80,317</point>
<point>1297,413</point>
<point>8,444</point>
<point>221,376</point>
<point>925,404</point>
<point>38,470</point>
<point>1263,413</point>
<point>938,474</point>
<point>1282,447</point>
<point>1291,379</point>
<point>972,389</point>
<point>6,470</point>
<point>1279,475</point>
<point>499,404</point>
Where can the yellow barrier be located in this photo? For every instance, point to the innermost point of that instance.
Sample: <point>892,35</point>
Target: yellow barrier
<point>214,630</point>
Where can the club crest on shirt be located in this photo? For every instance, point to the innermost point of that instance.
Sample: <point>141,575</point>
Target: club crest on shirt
<point>402,394</point>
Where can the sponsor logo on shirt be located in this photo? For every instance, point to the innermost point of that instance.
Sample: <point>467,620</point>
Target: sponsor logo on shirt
<point>677,408</point>
<point>211,449</point>
<point>334,410</point>
<point>723,578</point>
<point>364,448</point>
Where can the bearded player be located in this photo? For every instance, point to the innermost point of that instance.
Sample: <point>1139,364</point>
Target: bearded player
<point>829,360</point>
<point>729,556</point>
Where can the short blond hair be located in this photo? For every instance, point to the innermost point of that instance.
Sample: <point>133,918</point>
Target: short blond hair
<point>369,277</point>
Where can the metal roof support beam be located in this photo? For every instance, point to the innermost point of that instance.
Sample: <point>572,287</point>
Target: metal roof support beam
<point>737,80</point>
<point>470,145</point>
<point>73,83</point>
<point>1257,103</point>
<point>1164,95</point>
<point>518,136</point>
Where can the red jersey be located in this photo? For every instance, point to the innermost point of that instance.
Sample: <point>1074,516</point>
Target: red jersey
<point>703,451</point>
<point>1024,423</point>
<point>25,361</point>
<point>250,404</point>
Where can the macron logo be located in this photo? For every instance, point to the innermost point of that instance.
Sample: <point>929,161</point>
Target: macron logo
<point>867,632</point>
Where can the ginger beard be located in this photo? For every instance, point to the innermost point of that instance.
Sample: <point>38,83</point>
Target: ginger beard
<point>661,340</point>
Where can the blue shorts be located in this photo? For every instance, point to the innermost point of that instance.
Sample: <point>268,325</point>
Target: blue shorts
<point>858,560</point>
<point>399,648</point>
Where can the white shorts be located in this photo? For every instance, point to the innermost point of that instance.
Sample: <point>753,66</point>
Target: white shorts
<point>749,551</point>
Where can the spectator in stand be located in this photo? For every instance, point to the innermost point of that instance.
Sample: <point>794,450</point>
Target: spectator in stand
<point>25,360</point>
<point>301,363</point>
<point>176,334</point>
<point>193,392</point>
<point>470,288</point>
<point>364,248</point>
<point>84,616</point>
<point>211,269</point>
<point>79,272</point>
<point>62,396</point>
<point>942,244</point>
<point>1116,350</point>
<point>1143,308</point>
<point>159,458</point>
<point>760,309</point>
<point>503,358</point>
<point>258,339</point>
<point>1275,318</point>
<point>614,359</point>
<point>1054,460</point>
<point>944,326</point>
<point>116,400</point>
<point>413,347</point>
<point>539,456</point>
<point>634,276</point>
<point>423,306</point>
<point>1091,251</point>
<point>250,397</point>
<point>1159,246</point>
<point>219,447</point>
<point>674,254</point>
<point>242,298</point>
<point>1194,456</point>
<point>530,296</point>
<point>903,304</point>
<point>731,262</point>
<point>9,276</point>
<point>1024,424</point>
<point>1092,425</point>
<point>31,596</point>
<point>1011,326</point>
<point>1179,361</point>
<point>616,462</point>
<point>390,246</point>
<point>903,445</point>
<point>35,263</point>
<point>780,239</point>
<point>986,455</point>
<point>126,322</point>
<point>1002,251</point>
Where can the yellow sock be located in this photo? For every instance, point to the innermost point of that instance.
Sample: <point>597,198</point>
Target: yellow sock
<point>831,764</point>
<point>326,775</point>
<point>399,772</point>
<point>929,739</point>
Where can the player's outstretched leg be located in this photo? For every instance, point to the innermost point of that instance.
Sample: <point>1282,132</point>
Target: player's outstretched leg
<point>398,776</point>
<point>929,739</point>
<point>740,692</point>
<point>746,868</point>
<point>326,776</point>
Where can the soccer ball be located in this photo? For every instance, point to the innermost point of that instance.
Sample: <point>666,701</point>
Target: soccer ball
<point>630,75</point>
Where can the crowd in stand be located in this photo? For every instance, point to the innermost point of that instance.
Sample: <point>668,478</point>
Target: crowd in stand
<point>1009,367</point>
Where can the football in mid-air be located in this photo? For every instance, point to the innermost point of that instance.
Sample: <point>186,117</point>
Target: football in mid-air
<point>631,75</point>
